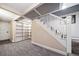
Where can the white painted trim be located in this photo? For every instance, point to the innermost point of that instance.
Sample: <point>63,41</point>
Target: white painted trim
<point>49,48</point>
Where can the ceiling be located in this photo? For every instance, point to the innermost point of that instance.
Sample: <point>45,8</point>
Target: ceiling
<point>15,10</point>
<point>42,10</point>
<point>67,5</point>
<point>7,16</point>
<point>48,8</point>
<point>18,8</point>
<point>11,11</point>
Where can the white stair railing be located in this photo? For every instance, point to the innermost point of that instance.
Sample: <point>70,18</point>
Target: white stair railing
<point>57,34</point>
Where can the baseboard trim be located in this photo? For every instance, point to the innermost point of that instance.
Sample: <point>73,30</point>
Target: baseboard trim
<point>49,48</point>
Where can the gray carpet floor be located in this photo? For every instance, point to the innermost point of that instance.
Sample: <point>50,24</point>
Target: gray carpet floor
<point>23,48</point>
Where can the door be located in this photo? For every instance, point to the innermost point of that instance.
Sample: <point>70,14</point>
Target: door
<point>4,31</point>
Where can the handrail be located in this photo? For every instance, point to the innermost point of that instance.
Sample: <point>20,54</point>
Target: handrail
<point>56,31</point>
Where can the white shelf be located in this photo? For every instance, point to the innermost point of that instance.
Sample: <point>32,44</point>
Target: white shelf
<point>23,31</point>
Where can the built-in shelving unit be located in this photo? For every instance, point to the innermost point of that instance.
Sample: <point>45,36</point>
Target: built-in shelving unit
<point>20,31</point>
<point>26,31</point>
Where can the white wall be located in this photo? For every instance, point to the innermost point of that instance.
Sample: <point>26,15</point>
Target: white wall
<point>4,30</point>
<point>75,27</point>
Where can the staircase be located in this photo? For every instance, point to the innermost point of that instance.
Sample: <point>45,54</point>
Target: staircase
<point>50,30</point>
<point>47,32</point>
